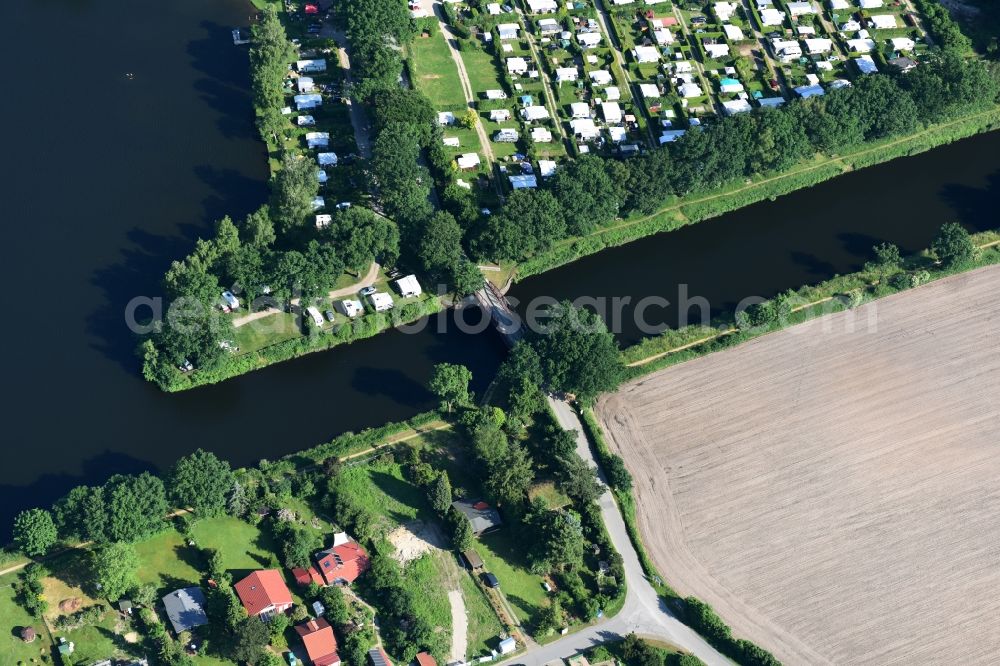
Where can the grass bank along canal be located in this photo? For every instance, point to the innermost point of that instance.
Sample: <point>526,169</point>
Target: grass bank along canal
<point>802,238</point>
<point>142,136</point>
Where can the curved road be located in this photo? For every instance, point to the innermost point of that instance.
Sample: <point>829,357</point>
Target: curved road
<point>367,281</point>
<point>644,612</point>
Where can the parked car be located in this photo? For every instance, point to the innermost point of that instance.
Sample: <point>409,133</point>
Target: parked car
<point>491,580</point>
<point>230,301</point>
<point>367,291</point>
<point>698,20</point>
<point>328,314</point>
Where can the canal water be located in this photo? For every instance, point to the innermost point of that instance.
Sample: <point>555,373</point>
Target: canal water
<point>799,239</point>
<point>130,131</point>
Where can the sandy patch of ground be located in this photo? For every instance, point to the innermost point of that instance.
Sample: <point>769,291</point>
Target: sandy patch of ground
<point>834,495</point>
<point>459,626</point>
<point>414,539</point>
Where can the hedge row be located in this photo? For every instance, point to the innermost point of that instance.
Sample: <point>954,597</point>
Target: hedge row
<point>350,442</point>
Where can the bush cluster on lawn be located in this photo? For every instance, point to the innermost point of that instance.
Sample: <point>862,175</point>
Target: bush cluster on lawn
<point>29,590</point>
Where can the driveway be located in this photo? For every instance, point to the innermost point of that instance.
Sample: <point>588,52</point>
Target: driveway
<point>349,290</point>
<point>463,76</point>
<point>359,119</point>
<point>644,612</point>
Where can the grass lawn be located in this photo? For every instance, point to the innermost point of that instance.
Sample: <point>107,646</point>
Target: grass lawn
<point>434,71</point>
<point>482,71</point>
<point>168,563</point>
<point>484,626</point>
<point>12,617</point>
<point>264,332</point>
<point>104,640</point>
<point>504,556</point>
<point>429,574</point>
<point>65,582</point>
<point>243,546</point>
<point>554,499</point>
<point>382,488</point>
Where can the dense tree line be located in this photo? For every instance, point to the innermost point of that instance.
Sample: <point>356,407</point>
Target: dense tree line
<point>270,53</point>
<point>376,29</point>
<point>432,240</point>
<point>942,27</point>
<point>590,191</point>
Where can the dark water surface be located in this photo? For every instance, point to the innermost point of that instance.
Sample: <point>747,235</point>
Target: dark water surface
<point>799,239</point>
<point>109,177</point>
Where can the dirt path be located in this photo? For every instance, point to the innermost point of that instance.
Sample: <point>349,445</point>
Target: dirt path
<point>833,493</point>
<point>459,626</point>
<point>359,119</point>
<point>550,98</point>
<point>350,290</point>
<point>470,95</point>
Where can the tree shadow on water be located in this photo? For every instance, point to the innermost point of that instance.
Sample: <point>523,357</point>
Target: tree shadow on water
<point>393,384</point>
<point>975,206</point>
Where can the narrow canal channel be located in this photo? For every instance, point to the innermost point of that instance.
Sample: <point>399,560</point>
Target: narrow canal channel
<point>799,239</point>
<point>145,137</point>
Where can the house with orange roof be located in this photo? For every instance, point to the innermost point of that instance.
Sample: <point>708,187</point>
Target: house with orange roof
<point>320,643</point>
<point>264,594</point>
<point>425,659</point>
<point>305,577</point>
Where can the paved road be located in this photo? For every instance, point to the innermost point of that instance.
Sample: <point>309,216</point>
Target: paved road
<point>644,612</point>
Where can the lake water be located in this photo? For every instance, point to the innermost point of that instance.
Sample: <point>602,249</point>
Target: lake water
<point>142,135</point>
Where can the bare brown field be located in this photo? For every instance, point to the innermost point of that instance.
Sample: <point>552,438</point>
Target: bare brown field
<point>834,495</point>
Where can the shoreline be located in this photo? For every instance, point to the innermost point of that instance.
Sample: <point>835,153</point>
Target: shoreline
<point>662,221</point>
<point>674,216</point>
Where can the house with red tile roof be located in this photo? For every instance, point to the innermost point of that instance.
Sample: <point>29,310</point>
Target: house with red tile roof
<point>319,641</point>
<point>264,593</point>
<point>305,577</point>
<point>424,659</point>
<point>344,562</point>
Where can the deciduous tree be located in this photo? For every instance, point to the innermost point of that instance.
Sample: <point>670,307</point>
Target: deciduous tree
<point>113,569</point>
<point>953,245</point>
<point>450,383</point>
<point>202,481</point>
<point>34,532</point>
